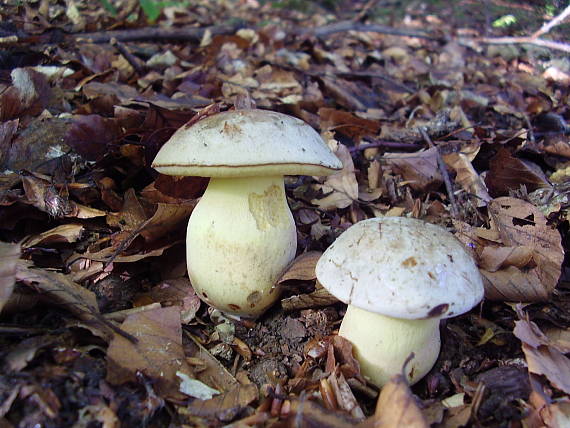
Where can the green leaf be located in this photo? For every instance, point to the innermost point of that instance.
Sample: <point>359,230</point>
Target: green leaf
<point>504,21</point>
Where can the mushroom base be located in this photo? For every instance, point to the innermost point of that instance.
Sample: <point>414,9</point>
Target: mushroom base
<point>382,344</point>
<point>241,236</point>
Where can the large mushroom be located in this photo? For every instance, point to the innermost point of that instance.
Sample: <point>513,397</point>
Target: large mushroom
<point>399,276</point>
<point>241,234</point>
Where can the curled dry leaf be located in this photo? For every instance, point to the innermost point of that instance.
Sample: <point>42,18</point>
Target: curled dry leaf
<point>542,356</point>
<point>61,289</point>
<point>396,407</point>
<point>301,268</point>
<point>467,177</point>
<point>531,259</point>
<point>66,233</point>
<point>508,173</point>
<point>348,124</point>
<point>9,255</point>
<point>341,189</point>
<point>158,351</point>
<point>420,169</point>
<point>177,292</point>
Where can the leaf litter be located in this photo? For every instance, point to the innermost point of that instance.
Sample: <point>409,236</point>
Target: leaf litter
<point>99,323</point>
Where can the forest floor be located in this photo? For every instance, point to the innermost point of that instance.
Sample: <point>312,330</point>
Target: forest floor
<point>451,112</point>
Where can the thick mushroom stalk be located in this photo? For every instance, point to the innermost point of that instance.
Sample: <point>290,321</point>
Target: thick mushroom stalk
<point>384,344</point>
<point>399,276</point>
<point>241,235</point>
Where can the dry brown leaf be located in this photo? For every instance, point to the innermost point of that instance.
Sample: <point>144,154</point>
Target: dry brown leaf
<point>344,396</point>
<point>419,169</point>
<point>61,289</point>
<point>543,358</point>
<point>307,413</point>
<point>224,407</point>
<point>132,213</point>
<point>493,259</point>
<point>66,233</point>
<point>318,298</point>
<point>467,177</point>
<point>301,268</point>
<point>341,189</point>
<point>177,292</point>
<point>25,351</point>
<point>348,124</point>
<point>9,255</point>
<point>158,352</point>
<point>521,224</point>
<point>397,407</point>
<point>167,218</point>
<point>509,173</point>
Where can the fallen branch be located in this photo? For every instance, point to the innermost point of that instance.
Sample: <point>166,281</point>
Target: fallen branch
<point>530,40</point>
<point>535,39</point>
<point>444,173</point>
<point>343,26</point>
<point>154,34</point>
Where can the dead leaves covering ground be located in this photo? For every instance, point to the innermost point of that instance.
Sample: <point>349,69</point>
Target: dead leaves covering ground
<point>99,323</point>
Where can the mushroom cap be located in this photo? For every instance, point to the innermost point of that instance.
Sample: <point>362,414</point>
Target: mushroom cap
<point>243,143</point>
<point>401,267</point>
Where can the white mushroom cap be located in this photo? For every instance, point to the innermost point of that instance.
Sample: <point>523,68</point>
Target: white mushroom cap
<point>245,143</point>
<point>401,267</point>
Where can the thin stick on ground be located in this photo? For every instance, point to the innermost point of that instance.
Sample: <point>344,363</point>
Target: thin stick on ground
<point>444,173</point>
<point>535,39</point>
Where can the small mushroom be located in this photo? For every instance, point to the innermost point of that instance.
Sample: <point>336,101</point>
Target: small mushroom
<point>241,234</point>
<point>399,276</point>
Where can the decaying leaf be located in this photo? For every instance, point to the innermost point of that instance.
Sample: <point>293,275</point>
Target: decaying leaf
<point>419,170</point>
<point>301,268</point>
<point>542,356</point>
<point>9,255</point>
<point>157,352</point>
<point>396,407</point>
<point>467,177</point>
<point>66,233</point>
<point>531,271</point>
<point>510,173</point>
<point>340,189</point>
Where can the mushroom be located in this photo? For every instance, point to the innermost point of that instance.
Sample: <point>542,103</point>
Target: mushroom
<point>399,276</point>
<point>241,234</point>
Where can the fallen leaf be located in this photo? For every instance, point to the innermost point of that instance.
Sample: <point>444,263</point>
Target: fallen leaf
<point>60,289</point>
<point>9,255</point>
<point>66,233</point>
<point>509,173</point>
<point>341,188</point>
<point>301,268</point>
<point>396,407</point>
<point>530,262</point>
<point>158,352</point>
<point>419,170</point>
<point>91,135</point>
<point>467,177</point>
<point>543,358</point>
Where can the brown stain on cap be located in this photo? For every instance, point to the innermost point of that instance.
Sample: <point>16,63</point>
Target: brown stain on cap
<point>410,262</point>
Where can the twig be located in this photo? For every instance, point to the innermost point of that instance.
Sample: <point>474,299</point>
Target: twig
<point>131,59</point>
<point>363,13</point>
<point>387,144</point>
<point>557,20</point>
<point>343,26</point>
<point>444,173</point>
<point>535,39</point>
<point>524,40</point>
<point>120,316</point>
<point>153,34</point>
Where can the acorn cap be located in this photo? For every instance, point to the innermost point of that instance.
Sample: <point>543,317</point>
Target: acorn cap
<point>401,267</point>
<point>242,143</point>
